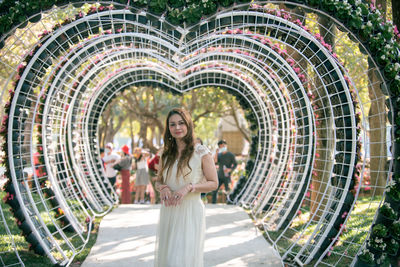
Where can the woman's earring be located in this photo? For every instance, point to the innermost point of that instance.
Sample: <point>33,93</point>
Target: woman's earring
<point>169,138</point>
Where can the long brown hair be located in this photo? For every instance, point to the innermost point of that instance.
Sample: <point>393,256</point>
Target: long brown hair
<point>170,152</point>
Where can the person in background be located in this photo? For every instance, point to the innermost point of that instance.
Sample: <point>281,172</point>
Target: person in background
<point>142,174</point>
<point>226,164</point>
<point>110,159</point>
<point>153,167</point>
<point>126,165</point>
<point>102,156</point>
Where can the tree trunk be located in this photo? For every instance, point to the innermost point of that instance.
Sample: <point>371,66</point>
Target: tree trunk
<point>321,179</point>
<point>242,129</point>
<point>377,127</point>
<point>132,135</point>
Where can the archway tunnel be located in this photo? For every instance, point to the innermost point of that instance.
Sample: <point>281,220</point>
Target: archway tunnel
<point>320,96</point>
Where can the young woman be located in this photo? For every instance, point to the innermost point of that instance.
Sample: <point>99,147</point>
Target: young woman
<point>185,171</point>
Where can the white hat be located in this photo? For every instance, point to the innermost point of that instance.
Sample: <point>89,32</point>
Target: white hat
<point>110,145</point>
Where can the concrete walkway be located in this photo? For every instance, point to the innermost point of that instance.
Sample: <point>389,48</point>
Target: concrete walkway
<point>127,238</point>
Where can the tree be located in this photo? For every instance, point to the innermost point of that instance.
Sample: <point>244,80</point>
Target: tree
<point>149,105</point>
<point>377,125</point>
<point>111,121</point>
<point>327,29</point>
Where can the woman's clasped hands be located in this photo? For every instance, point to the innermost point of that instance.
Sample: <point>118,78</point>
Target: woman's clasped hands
<point>175,198</point>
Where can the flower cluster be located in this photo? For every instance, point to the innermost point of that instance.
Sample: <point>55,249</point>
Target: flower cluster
<point>367,256</point>
<point>387,211</point>
<point>392,190</point>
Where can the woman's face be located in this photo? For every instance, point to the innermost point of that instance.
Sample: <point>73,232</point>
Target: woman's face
<point>177,126</point>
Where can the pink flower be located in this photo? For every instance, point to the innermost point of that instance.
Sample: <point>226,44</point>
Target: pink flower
<point>5,118</point>
<point>287,16</point>
<point>372,6</point>
<point>302,77</point>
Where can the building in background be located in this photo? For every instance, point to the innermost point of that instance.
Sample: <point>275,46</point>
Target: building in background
<point>228,130</point>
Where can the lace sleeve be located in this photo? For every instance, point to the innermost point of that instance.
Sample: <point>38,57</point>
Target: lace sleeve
<point>202,150</point>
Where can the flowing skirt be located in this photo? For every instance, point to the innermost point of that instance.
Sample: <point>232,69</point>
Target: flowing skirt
<point>180,234</point>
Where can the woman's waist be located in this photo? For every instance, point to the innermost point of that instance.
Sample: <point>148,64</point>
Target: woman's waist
<point>192,196</point>
<point>191,199</point>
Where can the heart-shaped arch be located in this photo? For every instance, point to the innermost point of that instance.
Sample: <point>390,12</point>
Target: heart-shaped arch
<point>299,103</point>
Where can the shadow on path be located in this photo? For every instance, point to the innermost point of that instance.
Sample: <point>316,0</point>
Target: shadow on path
<point>127,238</point>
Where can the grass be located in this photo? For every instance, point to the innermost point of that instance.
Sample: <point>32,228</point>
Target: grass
<point>342,254</point>
<point>29,258</point>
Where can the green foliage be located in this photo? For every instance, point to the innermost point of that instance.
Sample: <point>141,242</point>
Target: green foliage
<point>395,229</point>
<point>379,230</point>
<point>393,191</point>
<point>175,16</point>
<point>176,3</point>
<point>191,14</point>
<point>387,211</point>
<point>149,105</point>
<point>157,6</point>
<point>392,246</point>
<point>366,256</point>
<point>226,3</point>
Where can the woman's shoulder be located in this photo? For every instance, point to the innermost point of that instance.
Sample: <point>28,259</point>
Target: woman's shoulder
<point>201,150</point>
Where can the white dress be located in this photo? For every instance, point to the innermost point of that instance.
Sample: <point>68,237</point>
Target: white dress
<point>181,229</point>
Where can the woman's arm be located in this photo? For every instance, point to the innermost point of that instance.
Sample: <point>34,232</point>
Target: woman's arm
<point>165,191</point>
<point>210,173</point>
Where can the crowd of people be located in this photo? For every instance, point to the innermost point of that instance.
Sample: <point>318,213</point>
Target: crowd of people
<point>136,172</point>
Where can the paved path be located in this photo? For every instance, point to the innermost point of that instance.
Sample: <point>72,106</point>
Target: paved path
<point>127,238</point>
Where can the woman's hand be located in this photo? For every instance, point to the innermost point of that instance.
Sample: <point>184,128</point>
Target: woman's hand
<point>178,196</point>
<point>166,196</point>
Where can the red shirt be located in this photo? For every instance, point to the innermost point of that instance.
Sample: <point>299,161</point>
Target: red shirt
<point>153,162</point>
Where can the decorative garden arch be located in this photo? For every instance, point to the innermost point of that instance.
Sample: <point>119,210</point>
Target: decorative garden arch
<point>313,142</point>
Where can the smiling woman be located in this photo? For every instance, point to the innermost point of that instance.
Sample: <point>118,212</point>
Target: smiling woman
<point>319,140</point>
<point>187,169</point>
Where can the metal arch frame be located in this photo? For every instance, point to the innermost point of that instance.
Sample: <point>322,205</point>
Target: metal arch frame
<point>334,148</point>
<point>257,44</point>
<point>12,243</point>
<point>251,174</point>
<point>318,44</point>
<point>222,53</point>
<point>50,92</point>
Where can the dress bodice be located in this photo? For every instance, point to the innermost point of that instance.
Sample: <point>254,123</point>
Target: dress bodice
<point>176,181</point>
